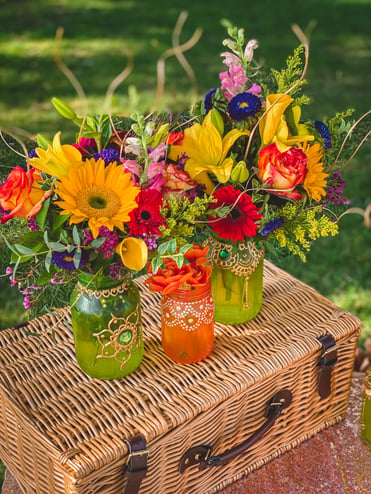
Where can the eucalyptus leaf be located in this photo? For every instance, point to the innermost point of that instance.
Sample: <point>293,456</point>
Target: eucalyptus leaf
<point>56,246</point>
<point>75,234</point>
<point>48,261</point>
<point>184,249</point>
<point>23,250</point>
<point>77,258</point>
<point>96,243</point>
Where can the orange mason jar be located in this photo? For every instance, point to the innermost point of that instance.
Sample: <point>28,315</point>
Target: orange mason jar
<point>187,320</point>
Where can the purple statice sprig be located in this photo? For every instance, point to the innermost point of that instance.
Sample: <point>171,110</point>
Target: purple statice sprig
<point>109,245</point>
<point>335,187</point>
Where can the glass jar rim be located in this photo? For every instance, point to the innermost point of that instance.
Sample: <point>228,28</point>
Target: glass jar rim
<point>197,291</point>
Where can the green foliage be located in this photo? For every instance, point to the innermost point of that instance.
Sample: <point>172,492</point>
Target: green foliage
<point>287,78</point>
<point>182,216</point>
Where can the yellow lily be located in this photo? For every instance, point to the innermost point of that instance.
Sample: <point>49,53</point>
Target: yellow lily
<point>273,126</point>
<point>207,151</point>
<point>58,159</point>
<point>133,253</point>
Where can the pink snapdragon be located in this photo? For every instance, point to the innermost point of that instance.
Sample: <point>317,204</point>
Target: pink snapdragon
<point>233,81</point>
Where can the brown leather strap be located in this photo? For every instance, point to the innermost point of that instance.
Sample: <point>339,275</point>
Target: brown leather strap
<point>136,467</point>
<point>326,363</point>
<point>200,455</point>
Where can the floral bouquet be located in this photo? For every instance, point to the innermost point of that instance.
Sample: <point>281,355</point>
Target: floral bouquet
<point>275,177</point>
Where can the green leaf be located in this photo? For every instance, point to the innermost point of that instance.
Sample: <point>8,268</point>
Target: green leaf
<point>30,333</point>
<point>157,263</point>
<point>42,142</point>
<point>58,221</point>
<point>96,243</point>
<point>172,246</point>
<point>23,250</point>
<point>42,214</point>
<point>76,236</point>
<point>77,258</point>
<point>162,248</point>
<point>184,249</point>
<point>179,261</point>
<point>48,261</point>
<point>63,109</point>
<point>44,278</point>
<point>56,246</point>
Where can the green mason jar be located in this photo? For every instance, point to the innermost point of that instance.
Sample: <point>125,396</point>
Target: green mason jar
<point>106,323</point>
<point>236,280</point>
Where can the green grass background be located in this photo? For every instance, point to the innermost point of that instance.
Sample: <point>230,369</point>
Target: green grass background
<point>97,36</point>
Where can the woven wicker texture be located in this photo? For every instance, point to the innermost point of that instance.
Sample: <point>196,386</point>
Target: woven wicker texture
<point>63,432</point>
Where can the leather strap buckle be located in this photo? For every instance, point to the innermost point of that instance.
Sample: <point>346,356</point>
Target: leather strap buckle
<point>136,466</point>
<point>327,361</point>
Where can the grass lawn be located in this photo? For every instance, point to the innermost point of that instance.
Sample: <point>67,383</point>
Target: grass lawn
<point>99,34</point>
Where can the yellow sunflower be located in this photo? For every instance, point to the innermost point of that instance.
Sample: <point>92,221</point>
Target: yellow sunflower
<point>103,195</point>
<point>314,182</point>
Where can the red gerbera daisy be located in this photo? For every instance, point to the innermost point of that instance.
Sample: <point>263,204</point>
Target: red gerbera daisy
<point>241,221</point>
<point>146,218</point>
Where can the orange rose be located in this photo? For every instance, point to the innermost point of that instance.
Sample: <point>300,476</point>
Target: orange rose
<point>169,278</point>
<point>177,182</point>
<point>282,171</point>
<point>21,194</point>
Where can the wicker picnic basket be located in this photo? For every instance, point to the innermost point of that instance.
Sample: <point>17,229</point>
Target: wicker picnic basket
<point>267,386</point>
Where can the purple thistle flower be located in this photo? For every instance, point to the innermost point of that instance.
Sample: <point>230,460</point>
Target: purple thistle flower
<point>108,155</point>
<point>269,227</point>
<point>243,105</point>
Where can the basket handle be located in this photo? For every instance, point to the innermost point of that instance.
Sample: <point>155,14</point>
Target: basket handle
<point>201,455</point>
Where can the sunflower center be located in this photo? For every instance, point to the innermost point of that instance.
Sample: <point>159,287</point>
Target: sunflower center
<point>145,215</point>
<point>97,201</point>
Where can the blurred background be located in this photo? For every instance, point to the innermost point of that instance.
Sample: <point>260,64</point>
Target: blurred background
<point>102,36</point>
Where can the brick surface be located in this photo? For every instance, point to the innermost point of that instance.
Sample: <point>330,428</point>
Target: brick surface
<point>335,461</point>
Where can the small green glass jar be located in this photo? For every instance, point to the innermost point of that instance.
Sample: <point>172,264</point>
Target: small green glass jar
<point>106,323</point>
<point>237,280</point>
